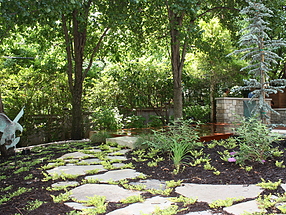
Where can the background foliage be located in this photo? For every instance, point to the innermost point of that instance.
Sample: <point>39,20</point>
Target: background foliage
<point>132,71</point>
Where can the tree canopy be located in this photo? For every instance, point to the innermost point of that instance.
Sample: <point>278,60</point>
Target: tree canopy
<point>101,49</point>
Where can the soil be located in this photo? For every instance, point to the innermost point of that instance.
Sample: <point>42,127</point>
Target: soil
<point>230,173</point>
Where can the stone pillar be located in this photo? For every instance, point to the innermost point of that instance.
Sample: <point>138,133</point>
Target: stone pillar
<point>229,109</point>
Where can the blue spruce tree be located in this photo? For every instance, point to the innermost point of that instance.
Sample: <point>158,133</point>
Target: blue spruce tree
<point>257,47</point>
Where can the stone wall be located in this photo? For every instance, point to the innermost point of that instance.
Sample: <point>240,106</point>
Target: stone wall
<point>279,119</point>
<point>228,109</point>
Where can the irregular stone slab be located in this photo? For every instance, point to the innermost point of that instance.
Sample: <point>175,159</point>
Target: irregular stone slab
<point>121,158</point>
<point>74,155</point>
<point>95,150</point>
<point>118,165</point>
<point>65,183</point>
<point>123,141</point>
<point>151,184</point>
<point>113,193</point>
<point>209,193</point>
<point>76,206</point>
<point>283,186</point>
<point>91,160</point>
<point>250,207</point>
<point>203,213</point>
<point>75,170</point>
<point>115,175</point>
<point>146,207</point>
<point>281,204</point>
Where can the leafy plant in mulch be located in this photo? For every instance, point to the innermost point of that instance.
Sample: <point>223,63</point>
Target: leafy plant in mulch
<point>255,142</point>
<point>178,139</point>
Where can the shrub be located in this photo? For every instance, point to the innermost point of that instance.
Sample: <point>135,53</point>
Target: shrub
<point>180,131</point>
<point>143,140</point>
<point>106,118</point>
<point>134,121</point>
<point>255,141</point>
<point>100,137</point>
<point>155,121</point>
<point>179,138</point>
<point>198,113</point>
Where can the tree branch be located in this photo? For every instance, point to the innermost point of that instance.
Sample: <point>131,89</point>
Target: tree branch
<point>215,8</point>
<point>69,53</point>
<point>94,51</point>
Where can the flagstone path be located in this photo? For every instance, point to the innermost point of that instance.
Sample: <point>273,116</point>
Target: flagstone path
<point>107,183</point>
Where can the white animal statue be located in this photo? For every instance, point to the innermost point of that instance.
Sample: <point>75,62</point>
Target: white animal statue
<point>9,128</point>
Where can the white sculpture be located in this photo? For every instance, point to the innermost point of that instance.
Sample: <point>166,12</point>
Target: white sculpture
<point>9,128</point>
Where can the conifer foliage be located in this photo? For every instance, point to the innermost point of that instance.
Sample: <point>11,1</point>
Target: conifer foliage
<point>257,47</point>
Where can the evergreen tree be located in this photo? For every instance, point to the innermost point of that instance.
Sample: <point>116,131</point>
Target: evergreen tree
<point>258,47</point>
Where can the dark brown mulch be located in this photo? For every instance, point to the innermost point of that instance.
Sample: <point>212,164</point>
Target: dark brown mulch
<point>230,174</point>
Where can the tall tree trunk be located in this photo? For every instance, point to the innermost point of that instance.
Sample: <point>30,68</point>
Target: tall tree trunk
<point>212,97</point>
<point>177,60</point>
<point>75,45</point>
<point>79,33</point>
<point>262,97</point>
<point>75,41</point>
<point>77,126</point>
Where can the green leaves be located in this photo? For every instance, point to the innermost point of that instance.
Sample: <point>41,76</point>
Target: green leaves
<point>255,141</point>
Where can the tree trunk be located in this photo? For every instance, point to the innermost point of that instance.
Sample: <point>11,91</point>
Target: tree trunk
<point>262,97</point>
<point>212,97</point>
<point>75,36</point>
<point>79,45</point>
<point>177,60</point>
<point>75,45</point>
<point>77,127</point>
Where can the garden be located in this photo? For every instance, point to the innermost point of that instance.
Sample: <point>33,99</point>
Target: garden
<point>253,155</point>
<point>82,72</point>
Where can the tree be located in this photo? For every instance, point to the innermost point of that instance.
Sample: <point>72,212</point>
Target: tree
<point>12,15</point>
<point>258,47</point>
<point>84,27</point>
<point>182,31</point>
<point>220,71</point>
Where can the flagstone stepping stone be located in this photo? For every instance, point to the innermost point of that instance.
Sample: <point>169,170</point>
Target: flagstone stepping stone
<point>146,207</point>
<point>75,170</point>
<point>76,206</point>
<point>151,184</point>
<point>240,208</point>
<point>91,160</point>
<point>74,155</point>
<point>123,141</point>
<point>115,175</point>
<point>65,183</point>
<point>118,165</point>
<point>283,186</point>
<point>203,213</point>
<point>209,193</point>
<point>121,158</point>
<point>95,150</point>
<point>280,204</point>
<point>113,193</point>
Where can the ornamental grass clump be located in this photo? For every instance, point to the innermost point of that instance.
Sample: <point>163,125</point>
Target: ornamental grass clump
<point>255,142</point>
<point>178,139</point>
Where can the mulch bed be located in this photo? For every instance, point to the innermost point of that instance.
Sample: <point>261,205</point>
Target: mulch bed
<point>230,173</point>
